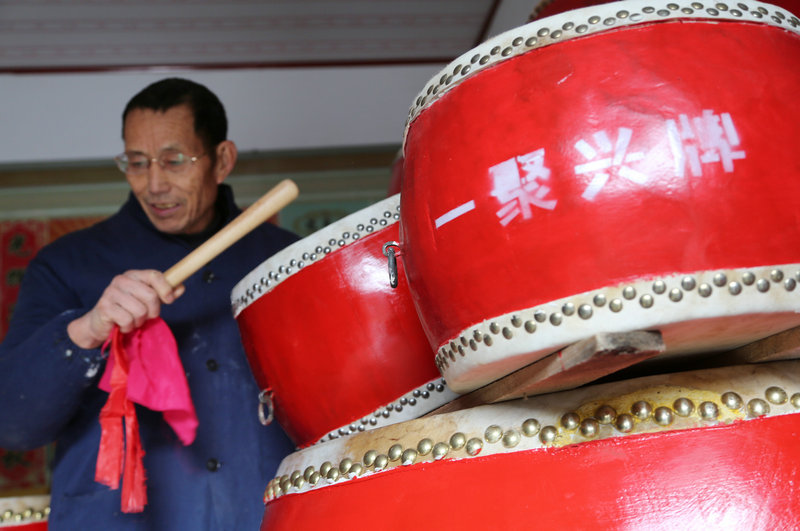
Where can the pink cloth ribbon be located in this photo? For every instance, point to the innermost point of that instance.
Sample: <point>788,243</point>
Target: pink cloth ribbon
<point>143,367</point>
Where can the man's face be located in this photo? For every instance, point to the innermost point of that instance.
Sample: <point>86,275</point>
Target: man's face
<point>176,203</point>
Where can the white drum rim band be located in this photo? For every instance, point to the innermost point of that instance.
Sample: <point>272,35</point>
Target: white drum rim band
<point>413,404</point>
<point>21,510</point>
<point>487,350</point>
<point>660,403</point>
<point>314,248</point>
<point>589,21</point>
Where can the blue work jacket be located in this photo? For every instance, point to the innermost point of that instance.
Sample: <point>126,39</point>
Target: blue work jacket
<point>48,385</point>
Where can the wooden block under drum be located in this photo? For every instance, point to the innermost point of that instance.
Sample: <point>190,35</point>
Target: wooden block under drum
<point>573,366</point>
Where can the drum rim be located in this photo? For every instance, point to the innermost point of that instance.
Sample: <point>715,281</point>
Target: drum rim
<point>467,359</point>
<point>718,396</point>
<point>409,406</point>
<point>290,260</point>
<point>587,21</point>
<point>20,510</point>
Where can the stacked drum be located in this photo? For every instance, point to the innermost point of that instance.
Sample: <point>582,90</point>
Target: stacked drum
<point>610,169</point>
<point>335,349</point>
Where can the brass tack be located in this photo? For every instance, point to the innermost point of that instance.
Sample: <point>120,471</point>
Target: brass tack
<point>511,438</point>
<point>624,423</point>
<point>757,407</point>
<point>570,421</point>
<point>683,407</point>
<point>458,440</point>
<point>345,464</point>
<point>659,287</point>
<point>732,400</point>
<point>395,452</point>
<point>530,427</point>
<point>708,411</point>
<point>605,414</point>
<point>325,468</point>
<point>796,400</point>
<point>548,434</point>
<point>440,450</point>
<point>381,462</point>
<point>663,416</point>
<point>776,395</point>
<point>493,433</point>
<point>425,446</point>
<point>409,456</point>
<point>474,446</point>
<point>356,470</point>
<point>589,428</point>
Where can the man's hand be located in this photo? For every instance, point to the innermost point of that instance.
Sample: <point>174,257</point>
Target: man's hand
<point>131,299</point>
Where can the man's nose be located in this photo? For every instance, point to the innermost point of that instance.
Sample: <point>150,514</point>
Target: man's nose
<point>157,180</point>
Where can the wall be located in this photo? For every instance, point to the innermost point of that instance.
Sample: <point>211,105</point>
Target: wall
<point>76,116</point>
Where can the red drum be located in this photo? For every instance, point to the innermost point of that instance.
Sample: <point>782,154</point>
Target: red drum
<point>629,166</point>
<point>24,513</point>
<point>336,349</point>
<point>714,449</point>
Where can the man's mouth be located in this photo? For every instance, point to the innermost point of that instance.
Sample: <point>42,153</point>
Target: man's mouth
<point>164,208</point>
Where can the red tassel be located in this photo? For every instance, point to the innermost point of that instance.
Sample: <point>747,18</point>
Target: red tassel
<point>109,466</point>
<point>134,494</point>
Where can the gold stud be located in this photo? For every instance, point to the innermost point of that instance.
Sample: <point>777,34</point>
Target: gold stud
<point>425,446</point>
<point>474,446</point>
<point>395,452</point>
<point>511,438</point>
<point>369,457</point>
<point>440,450</point>
<point>492,434</point>
<point>458,440</point>
<point>776,395</point>
<point>381,462</point>
<point>409,456</point>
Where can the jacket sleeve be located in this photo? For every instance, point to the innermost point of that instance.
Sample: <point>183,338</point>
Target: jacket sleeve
<point>43,374</point>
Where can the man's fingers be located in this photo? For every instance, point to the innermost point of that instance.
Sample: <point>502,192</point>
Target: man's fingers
<point>156,281</point>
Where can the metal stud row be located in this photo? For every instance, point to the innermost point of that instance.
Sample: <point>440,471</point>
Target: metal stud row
<point>646,415</point>
<point>382,416</point>
<point>300,260</point>
<point>530,321</point>
<point>28,515</point>
<point>550,30</point>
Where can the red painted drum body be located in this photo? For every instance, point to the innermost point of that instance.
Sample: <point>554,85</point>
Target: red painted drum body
<point>628,166</point>
<point>338,349</point>
<point>714,449</point>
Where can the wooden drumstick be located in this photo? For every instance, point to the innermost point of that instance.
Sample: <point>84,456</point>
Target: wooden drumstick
<point>267,206</point>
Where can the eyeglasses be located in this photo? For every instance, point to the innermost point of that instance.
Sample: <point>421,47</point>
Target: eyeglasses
<point>169,160</point>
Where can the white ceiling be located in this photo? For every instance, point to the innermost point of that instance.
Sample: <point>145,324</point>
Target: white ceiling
<point>293,74</point>
<point>65,35</point>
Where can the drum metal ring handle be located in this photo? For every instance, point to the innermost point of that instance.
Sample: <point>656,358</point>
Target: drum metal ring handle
<point>390,253</point>
<point>265,398</point>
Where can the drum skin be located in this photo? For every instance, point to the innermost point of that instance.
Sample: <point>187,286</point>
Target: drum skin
<point>727,461</point>
<point>618,198</point>
<point>334,342</point>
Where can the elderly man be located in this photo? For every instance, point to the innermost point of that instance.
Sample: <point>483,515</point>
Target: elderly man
<point>176,158</point>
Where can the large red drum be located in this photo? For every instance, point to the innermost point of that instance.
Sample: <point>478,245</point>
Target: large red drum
<point>336,350</point>
<point>714,449</point>
<point>629,166</point>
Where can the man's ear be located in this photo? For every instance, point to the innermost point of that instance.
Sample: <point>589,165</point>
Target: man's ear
<point>226,160</point>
